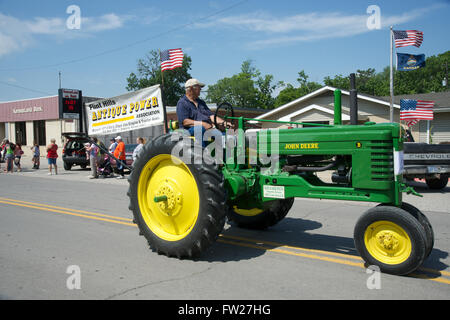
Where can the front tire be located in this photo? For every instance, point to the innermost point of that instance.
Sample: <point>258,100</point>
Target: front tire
<point>423,220</point>
<point>179,207</point>
<point>390,238</point>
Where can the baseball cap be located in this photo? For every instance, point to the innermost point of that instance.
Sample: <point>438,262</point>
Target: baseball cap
<point>118,138</point>
<point>193,82</point>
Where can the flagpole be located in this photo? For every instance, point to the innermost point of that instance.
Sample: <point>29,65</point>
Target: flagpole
<point>166,129</point>
<point>391,82</point>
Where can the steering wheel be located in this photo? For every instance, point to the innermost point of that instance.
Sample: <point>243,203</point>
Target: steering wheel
<point>227,112</point>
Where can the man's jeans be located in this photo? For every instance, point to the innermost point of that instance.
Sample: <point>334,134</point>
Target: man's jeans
<point>199,131</point>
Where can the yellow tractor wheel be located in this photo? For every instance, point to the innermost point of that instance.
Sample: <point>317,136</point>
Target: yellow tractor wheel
<point>390,238</point>
<point>177,203</point>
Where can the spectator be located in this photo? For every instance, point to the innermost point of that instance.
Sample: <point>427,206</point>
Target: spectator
<point>2,148</point>
<point>92,150</point>
<point>140,142</point>
<point>113,145</point>
<point>36,156</point>
<point>18,152</point>
<point>86,146</point>
<point>52,155</point>
<point>119,153</point>
<point>9,156</point>
<point>101,152</point>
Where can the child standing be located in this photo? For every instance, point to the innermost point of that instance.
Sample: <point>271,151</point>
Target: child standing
<point>18,152</point>
<point>9,156</point>
<point>36,156</point>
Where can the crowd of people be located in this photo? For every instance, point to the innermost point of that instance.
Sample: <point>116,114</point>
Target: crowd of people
<point>11,154</point>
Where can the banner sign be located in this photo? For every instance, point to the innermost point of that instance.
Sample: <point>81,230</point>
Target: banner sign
<point>130,111</point>
<point>408,62</point>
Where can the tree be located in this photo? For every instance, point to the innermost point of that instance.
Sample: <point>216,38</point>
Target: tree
<point>149,74</point>
<point>289,93</point>
<point>247,89</point>
<point>237,90</point>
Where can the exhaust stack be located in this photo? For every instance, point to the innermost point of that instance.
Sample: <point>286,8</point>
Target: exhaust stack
<point>353,100</point>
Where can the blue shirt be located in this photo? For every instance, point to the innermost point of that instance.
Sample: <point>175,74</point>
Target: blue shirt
<point>187,110</point>
<point>94,150</point>
<point>112,147</point>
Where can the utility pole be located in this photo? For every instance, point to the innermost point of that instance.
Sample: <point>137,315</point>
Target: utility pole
<point>59,74</point>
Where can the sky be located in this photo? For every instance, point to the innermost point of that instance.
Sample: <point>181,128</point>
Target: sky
<point>323,38</point>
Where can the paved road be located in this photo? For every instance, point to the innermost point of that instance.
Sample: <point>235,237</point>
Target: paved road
<point>49,223</point>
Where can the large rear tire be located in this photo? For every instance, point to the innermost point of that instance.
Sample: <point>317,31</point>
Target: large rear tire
<point>260,219</point>
<point>179,207</point>
<point>390,238</point>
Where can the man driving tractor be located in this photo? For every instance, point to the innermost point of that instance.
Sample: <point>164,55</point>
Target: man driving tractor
<point>193,113</point>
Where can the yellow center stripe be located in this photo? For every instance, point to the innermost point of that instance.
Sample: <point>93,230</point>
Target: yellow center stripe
<point>276,244</point>
<point>65,209</point>
<point>69,213</point>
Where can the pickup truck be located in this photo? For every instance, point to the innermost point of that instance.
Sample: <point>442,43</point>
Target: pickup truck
<point>427,161</point>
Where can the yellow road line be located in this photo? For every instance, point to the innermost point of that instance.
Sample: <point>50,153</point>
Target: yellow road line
<point>339,261</point>
<point>276,244</point>
<point>433,271</point>
<point>305,255</point>
<point>69,213</point>
<point>66,209</point>
<point>251,243</point>
<point>425,277</point>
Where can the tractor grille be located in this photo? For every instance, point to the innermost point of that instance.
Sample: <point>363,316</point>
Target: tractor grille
<point>382,161</point>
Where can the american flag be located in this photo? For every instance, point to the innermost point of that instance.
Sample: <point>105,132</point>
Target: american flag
<point>408,38</point>
<point>171,59</point>
<point>412,111</point>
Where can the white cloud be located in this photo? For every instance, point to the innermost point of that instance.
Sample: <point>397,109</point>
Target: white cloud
<point>44,25</point>
<point>106,22</point>
<point>16,34</point>
<point>312,26</point>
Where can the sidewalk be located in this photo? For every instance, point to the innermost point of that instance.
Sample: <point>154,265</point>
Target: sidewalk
<point>75,174</point>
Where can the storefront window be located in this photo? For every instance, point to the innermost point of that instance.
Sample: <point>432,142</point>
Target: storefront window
<point>21,133</point>
<point>39,132</point>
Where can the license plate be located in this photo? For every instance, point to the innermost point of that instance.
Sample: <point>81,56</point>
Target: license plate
<point>433,169</point>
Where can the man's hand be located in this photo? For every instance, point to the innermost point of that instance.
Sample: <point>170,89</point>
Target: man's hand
<point>207,125</point>
<point>228,124</point>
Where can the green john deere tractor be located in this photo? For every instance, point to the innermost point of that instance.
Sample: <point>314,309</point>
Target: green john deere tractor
<point>180,201</point>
